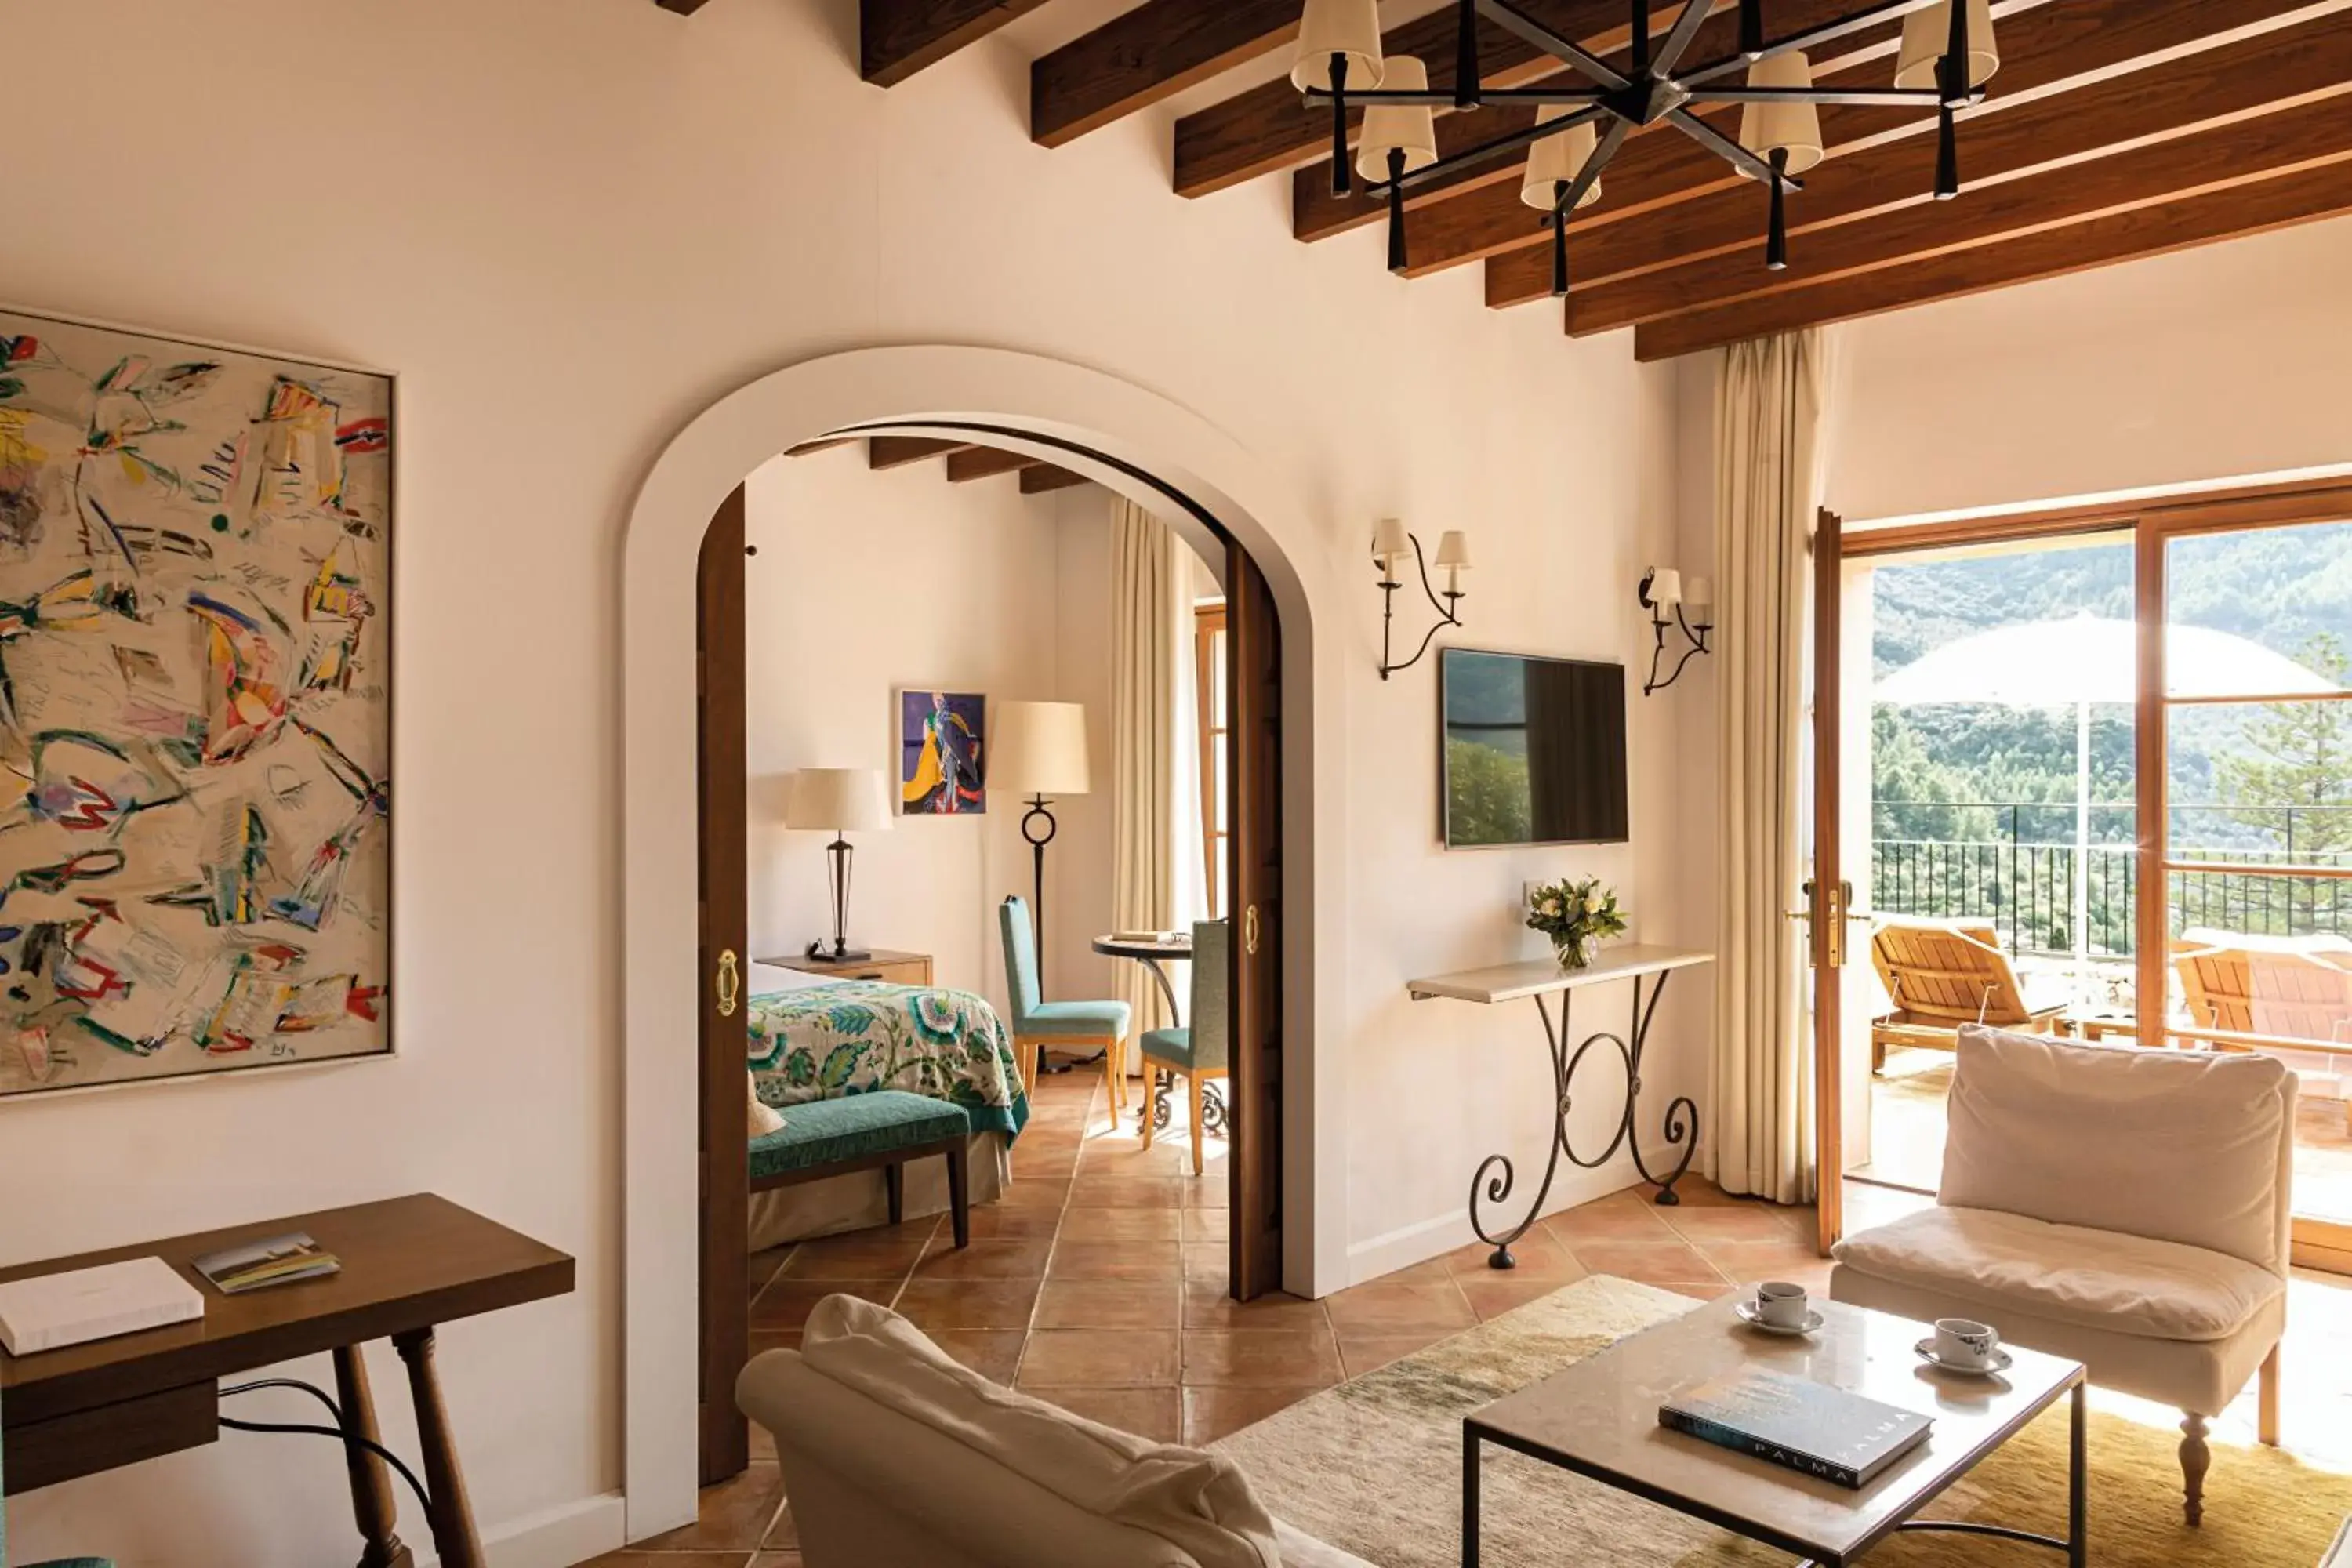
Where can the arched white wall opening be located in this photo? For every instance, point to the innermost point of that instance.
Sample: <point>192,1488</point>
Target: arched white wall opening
<point>1128,438</point>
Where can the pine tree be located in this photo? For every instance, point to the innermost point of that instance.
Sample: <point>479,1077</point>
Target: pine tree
<point>2297,754</point>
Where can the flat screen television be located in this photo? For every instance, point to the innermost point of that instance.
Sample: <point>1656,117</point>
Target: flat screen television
<point>1534,750</point>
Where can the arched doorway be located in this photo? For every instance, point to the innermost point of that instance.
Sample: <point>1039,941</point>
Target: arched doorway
<point>1124,436</point>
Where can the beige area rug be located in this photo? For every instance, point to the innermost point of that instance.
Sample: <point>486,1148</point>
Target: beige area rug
<point>1375,1466</point>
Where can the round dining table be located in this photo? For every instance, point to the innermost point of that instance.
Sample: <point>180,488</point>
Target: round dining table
<point>1152,951</point>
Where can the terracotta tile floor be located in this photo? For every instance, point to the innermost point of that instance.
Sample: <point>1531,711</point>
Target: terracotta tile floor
<point>1099,1283</point>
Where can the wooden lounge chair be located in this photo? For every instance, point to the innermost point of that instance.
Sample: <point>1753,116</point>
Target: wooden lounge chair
<point>2294,988</point>
<point>1940,974</point>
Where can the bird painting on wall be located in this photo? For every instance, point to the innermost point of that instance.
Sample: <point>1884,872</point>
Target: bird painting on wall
<point>940,748</point>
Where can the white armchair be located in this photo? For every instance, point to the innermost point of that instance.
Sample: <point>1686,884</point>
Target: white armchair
<point>2123,1207</point>
<point>895,1456</point>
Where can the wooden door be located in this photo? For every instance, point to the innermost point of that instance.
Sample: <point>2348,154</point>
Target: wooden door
<point>721,764</point>
<point>1829,893</point>
<point>1253,708</point>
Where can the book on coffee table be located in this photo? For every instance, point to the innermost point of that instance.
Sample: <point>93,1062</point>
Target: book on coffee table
<point>1808,1426</point>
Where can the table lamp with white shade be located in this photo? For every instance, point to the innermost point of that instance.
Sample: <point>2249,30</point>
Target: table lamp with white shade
<point>841,801</point>
<point>1039,749</point>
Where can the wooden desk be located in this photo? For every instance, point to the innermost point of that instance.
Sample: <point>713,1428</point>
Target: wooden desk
<point>408,1264</point>
<point>881,964</point>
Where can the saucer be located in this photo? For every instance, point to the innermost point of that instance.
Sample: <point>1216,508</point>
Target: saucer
<point>1747,1313</point>
<point>2000,1364</point>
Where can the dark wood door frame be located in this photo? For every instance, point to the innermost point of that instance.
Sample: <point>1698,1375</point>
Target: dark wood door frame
<point>1254,783</point>
<point>722,768</point>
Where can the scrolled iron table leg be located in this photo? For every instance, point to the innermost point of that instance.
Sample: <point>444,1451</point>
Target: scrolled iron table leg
<point>1496,1176</point>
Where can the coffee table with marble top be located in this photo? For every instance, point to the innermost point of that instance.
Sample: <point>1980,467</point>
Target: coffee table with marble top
<point>1600,1418</point>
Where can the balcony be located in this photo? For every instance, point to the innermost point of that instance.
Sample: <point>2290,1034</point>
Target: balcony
<point>2014,863</point>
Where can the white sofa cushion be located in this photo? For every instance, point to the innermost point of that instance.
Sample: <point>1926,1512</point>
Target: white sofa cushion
<point>2065,1274</point>
<point>2340,1555</point>
<point>1197,1501</point>
<point>2179,1146</point>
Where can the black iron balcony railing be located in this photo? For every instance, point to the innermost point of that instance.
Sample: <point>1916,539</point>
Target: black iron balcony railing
<point>2012,865</point>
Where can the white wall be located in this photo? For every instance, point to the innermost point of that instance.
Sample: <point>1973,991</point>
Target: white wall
<point>571,225</point>
<point>2215,364</point>
<point>866,583</point>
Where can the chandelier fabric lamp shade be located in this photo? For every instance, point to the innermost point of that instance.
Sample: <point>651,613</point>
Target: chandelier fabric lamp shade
<point>1347,29</point>
<point>1790,127</point>
<point>1040,751</point>
<point>840,801</point>
<point>1397,139</point>
<point>1928,34</point>
<point>1391,544</point>
<point>1555,161</point>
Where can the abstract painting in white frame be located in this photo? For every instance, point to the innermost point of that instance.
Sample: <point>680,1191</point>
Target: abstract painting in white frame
<point>196,707</point>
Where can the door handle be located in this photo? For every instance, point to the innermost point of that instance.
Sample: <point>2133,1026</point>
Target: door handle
<point>728,983</point>
<point>1249,930</point>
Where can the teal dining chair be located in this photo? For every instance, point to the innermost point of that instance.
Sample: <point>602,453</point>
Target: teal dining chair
<point>1199,1051</point>
<point>1064,1025</point>
<point>53,1563</point>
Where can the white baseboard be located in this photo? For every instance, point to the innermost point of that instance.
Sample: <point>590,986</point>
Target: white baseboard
<point>1385,1254</point>
<point>554,1538</point>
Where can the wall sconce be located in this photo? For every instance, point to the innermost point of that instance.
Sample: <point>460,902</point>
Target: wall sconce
<point>1390,542</point>
<point>1660,593</point>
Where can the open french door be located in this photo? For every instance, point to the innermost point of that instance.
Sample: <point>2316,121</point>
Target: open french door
<point>1829,891</point>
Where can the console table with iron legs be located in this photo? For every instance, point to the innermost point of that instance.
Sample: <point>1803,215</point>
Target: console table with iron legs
<point>1538,981</point>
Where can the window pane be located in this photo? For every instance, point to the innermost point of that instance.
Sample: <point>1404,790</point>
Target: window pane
<point>2265,612</point>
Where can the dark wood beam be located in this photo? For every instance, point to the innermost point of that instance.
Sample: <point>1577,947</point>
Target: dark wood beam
<point>896,38</point>
<point>1268,129</point>
<point>898,451</point>
<point>683,7</point>
<point>2045,51</point>
<point>985,462</point>
<point>1039,477</point>
<point>2200,218</point>
<point>2245,111</point>
<point>1144,55</point>
<point>1317,214</point>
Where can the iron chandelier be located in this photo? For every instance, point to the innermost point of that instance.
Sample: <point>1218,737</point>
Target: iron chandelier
<point>1945,56</point>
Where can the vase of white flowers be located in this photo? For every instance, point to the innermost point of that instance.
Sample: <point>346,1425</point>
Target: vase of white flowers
<point>1575,914</point>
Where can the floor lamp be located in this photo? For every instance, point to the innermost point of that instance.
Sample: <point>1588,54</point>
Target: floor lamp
<point>1039,749</point>
<point>844,801</point>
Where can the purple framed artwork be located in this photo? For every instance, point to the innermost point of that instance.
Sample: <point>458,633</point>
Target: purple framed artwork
<point>942,753</point>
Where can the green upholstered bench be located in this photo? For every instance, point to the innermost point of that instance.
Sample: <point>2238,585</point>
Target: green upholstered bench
<point>858,1131</point>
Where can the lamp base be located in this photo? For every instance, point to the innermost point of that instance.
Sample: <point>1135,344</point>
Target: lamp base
<point>818,953</point>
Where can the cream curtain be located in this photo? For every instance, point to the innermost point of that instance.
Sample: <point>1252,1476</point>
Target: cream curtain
<point>1147,594</point>
<point>1768,441</point>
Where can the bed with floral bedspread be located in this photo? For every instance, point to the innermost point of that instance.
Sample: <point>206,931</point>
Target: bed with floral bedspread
<point>855,1037</point>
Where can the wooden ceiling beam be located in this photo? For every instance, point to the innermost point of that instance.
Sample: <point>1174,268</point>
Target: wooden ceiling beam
<point>898,451</point>
<point>2255,107</point>
<point>1268,129</point>
<point>2199,218</point>
<point>2200,160</point>
<point>985,462</point>
<point>1039,477</point>
<point>1317,214</point>
<point>2043,52</point>
<point>1141,57</point>
<point>683,7</point>
<point>896,38</point>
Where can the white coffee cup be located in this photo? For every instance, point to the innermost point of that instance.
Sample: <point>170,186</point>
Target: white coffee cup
<point>1964,1343</point>
<point>1781,1304</point>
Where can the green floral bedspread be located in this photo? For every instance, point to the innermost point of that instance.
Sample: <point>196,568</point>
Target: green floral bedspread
<point>858,1036</point>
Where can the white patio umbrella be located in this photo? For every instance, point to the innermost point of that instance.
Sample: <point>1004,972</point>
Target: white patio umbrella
<point>2085,660</point>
